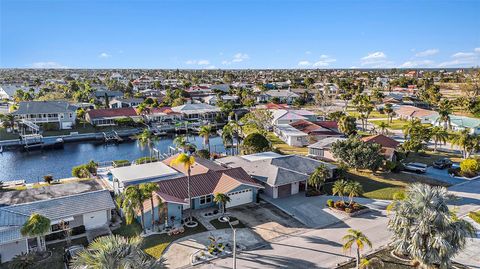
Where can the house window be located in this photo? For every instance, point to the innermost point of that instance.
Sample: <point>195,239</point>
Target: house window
<point>207,199</point>
<point>58,227</point>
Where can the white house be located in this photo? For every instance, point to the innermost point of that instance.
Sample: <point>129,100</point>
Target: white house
<point>60,113</point>
<point>89,210</point>
<point>290,135</point>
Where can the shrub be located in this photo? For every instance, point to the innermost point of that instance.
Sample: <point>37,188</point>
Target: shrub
<point>203,153</point>
<point>475,216</point>
<point>120,163</point>
<point>80,171</point>
<point>469,167</point>
<point>330,203</point>
<point>348,210</point>
<point>339,205</point>
<point>255,143</point>
<point>146,160</point>
<point>48,179</point>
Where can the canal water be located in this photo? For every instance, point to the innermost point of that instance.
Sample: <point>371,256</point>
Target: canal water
<point>32,166</point>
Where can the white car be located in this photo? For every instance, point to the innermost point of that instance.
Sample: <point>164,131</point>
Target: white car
<point>416,167</point>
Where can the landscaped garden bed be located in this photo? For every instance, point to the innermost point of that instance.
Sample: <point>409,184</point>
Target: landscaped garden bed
<point>224,225</point>
<point>349,208</point>
<point>217,248</point>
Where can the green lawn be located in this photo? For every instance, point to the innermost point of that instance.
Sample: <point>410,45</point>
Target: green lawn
<point>224,225</point>
<point>475,216</point>
<point>394,125</point>
<point>428,157</point>
<point>278,144</point>
<point>155,245</point>
<point>377,186</point>
<point>7,136</point>
<point>373,115</point>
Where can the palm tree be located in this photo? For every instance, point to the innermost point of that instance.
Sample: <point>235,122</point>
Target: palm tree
<point>114,251</point>
<point>465,141</point>
<point>227,135</point>
<point>36,226</point>
<point>353,188</point>
<point>222,199</point>
<point>148,189</point>
<point>146,138</point>
<point>373,263</point>
<point>383,127</point>
<point>133,198</point>
<point>181,142</point>
<point>389,110</point>
<point>359,239</point>
<point>205,132</point>
<point>319,176</point>
<point>339,188</point>
<point>23,261</point>
<point>438,135</point>
<point>238,129</point>
<point>187,161</point>
<point>425,229</point>
<point>410,127</point>
<point>444,111</point>
<point>347,125</point>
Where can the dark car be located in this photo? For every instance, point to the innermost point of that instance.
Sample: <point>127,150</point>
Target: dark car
<point>442,163</point>
<point>70,253</point>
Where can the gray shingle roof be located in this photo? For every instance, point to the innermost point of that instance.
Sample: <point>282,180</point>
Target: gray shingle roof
<point>39,107</point>
<point>277,171</point>
<point>14,216</point>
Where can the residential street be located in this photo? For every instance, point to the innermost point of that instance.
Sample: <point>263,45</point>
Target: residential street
<point>319,248</point>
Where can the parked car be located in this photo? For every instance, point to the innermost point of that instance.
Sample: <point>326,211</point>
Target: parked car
<point>442,163</point>
<point>70,252</point>
<point>416,167</point>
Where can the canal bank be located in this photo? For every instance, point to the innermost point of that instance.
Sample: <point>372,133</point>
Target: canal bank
<point>32,166</point>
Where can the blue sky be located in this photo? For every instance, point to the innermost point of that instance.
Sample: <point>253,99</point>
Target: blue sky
<point>239,34</point>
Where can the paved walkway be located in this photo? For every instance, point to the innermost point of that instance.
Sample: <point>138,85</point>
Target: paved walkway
<point>179,254</point>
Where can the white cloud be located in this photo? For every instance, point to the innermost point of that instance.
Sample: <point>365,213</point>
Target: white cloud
<point>308,52</point>
<point>211,67</point>
<point>304,63</point>
<point>47,65</point>
<point>104,55</point>
<point>463,59</point>
<point>237,58</point>
<point>463,55</point>
<point>429,52</point>
<point>198,62</point>
<point>324,61</point>
<point>423,63</point>
<point>376,59</point>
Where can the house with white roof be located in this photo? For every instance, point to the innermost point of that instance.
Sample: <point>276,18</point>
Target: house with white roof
<point>198,111</point>
<point>287,116</point>
<point>290,135</point>
<point>284,96</point>
<point>459,123</point>
<point>122,177</point>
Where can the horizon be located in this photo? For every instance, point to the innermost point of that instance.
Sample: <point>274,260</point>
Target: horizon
<point>239,35</point>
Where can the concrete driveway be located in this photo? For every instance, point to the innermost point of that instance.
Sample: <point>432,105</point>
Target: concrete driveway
<point>442,175</point>
<point>313,212</point>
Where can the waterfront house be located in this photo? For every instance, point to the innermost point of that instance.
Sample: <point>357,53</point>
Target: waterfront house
<point>87,213</point>
<point>59,113</point>
<point>125,102</point>
<point>110,116</point>
<point>122,177</point>
<point>287,116</point>
<point>323,148</point>
<point>280,175</point>
<point>389,145</point>
<point>161,115</point>
<point>234,182</point>
<point>198,111</point>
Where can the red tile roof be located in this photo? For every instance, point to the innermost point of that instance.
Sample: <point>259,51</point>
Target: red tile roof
<point>319,127</point>
<point>384,141</point>
<point>176,190</point>
<point>112,112</point>
<point>276,106</point>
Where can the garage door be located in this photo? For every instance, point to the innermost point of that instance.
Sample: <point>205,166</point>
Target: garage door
<point>284,190</point>
<point>240,197</point>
